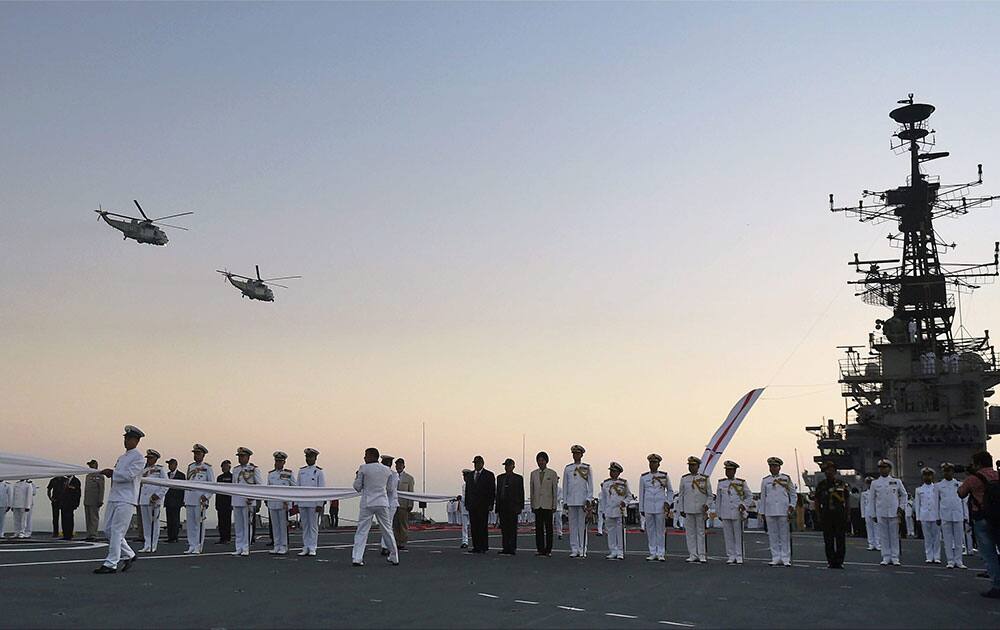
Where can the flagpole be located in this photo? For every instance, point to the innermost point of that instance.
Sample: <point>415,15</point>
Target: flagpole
<point>423,474</point>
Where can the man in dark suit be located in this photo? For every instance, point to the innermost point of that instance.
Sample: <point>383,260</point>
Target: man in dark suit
<point>224,505</point>
<point>69,500</point>
<point>54,492</point>
<point>510,503</point>
<point>173,502</point>
<point>480,490</point>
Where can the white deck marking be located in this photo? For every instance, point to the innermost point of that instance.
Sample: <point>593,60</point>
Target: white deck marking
<point>621,615</point>
<point>676,623</point>
<point>488,595</point>
<point>81,546</point>
<point>573,608</point>
<point>525,601</point>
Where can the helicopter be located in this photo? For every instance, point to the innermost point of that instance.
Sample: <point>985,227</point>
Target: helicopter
<point>255,288</point>
<point>142,230</point>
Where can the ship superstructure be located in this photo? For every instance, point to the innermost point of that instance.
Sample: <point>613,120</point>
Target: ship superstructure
<point>917,393</point>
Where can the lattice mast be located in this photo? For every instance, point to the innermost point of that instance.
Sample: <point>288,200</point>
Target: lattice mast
<point>916,286</point>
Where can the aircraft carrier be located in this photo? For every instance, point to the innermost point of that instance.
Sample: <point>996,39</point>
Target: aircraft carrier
<point>48,583</point>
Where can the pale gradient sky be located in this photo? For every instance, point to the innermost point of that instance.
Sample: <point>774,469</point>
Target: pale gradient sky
<point>586,223</point>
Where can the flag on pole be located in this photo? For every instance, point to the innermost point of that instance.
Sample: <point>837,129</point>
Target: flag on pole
<point>722,437</point>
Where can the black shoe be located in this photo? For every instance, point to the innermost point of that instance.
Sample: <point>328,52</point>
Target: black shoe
<point>464,546</point>
<point>993,593</point>
<point>983,574</point>
<point>357,564</point>
<point>103,569</point>
<point>384,552</point>
<point>128,563</point>
<point>401,547</point>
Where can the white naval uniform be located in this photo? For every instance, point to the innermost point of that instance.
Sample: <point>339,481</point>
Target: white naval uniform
<point>252,475</point>
<point>393,503</point>
<point>150,502</point>
<point>731,494</point>
<point>952,513</point>
<point>614,492</point>
<point>22,500</point>
<point>926,510</point>
<point>578,490</point>
<point>463,517</point>
<point>310,477</point>
<point>194,511</point>
<point>374,482</point>
<point>122,499</point>
<point>777,495</point>
<point>888,496</point>
<point>655,495</point>
<point>868,513</point>
<point>277,511</point>
<point>911,528</point>
<point>6,497</point>
<point>693,496</point>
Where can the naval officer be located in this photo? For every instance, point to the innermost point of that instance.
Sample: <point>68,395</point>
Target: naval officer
<point>196,501</point>
<point>777,501</point>
<point>868,513</point>
<point>150,501</point>
<point>926,509</point>
<point>614,493</point>
<point>387,461</point>
<point>952,513</point>
<point>889,498</point>
<point>6,497</point>
<point>277,511</point>
<point>578,494</point>
<point>250,474</point>
<point>733,499</point>
<point>22,500</point>
<point>122,499</point>
<point>310,476</point>
<point>374,482</point>
<point>655,496</point>
<point>693,497</point>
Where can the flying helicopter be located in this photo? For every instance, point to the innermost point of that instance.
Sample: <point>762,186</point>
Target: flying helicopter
<point>255,288</point>
<point>144,230</point>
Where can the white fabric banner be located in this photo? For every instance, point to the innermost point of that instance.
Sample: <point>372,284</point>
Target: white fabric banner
<point>722,437</point>
<point>14,467</point>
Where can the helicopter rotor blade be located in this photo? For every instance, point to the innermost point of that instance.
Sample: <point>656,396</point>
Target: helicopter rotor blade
<point>257,267</point>
<point>272,284</point>
<point>176,227</point>
<point>140,209</point>
<point>102,213</point>
<point>281,278</point>
<point>171,216</point>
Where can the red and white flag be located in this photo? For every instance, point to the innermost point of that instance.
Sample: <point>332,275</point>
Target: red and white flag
<point>722,437</point>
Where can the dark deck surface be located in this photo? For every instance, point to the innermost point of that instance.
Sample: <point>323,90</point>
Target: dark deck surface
<point>46,583</point>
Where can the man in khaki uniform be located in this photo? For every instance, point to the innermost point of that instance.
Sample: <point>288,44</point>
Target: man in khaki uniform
<point>93,499</point>
<point>544,493</point>
<point>401,519</point>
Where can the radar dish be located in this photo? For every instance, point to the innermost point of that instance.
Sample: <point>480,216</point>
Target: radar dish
<point>914,113</point>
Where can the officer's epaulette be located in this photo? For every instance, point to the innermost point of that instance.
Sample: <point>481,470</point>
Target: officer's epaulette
<point>686,475</point>
<point>319,468</point>
<point>648,472</point>
<point>608,479</point>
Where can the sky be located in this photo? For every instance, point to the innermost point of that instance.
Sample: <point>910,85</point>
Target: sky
<point>558,223</point>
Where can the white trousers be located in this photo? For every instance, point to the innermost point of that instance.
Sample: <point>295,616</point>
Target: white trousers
<point>241,527</point>
<point>615,534</point>
<point>117,517</point>
<point>911,530</point>
<point>600,522</point>
<point>694,534</point>
<point>778,537</point>
<point>577,528</point>
<point>195,529</point>
<point>150,524</point>
<point>952,531</point>
<point>732,531</point>
<point>557,523</point>
<point>309,518</point>
<point>3,521</point>
<point>279,527</point>
<point>22,522</point>
<point>465,528</point>
<point>872,530</point>
<point>888,534</point>
<point>656,537</point>
<point>932,539</point>
<point>365,515</point>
